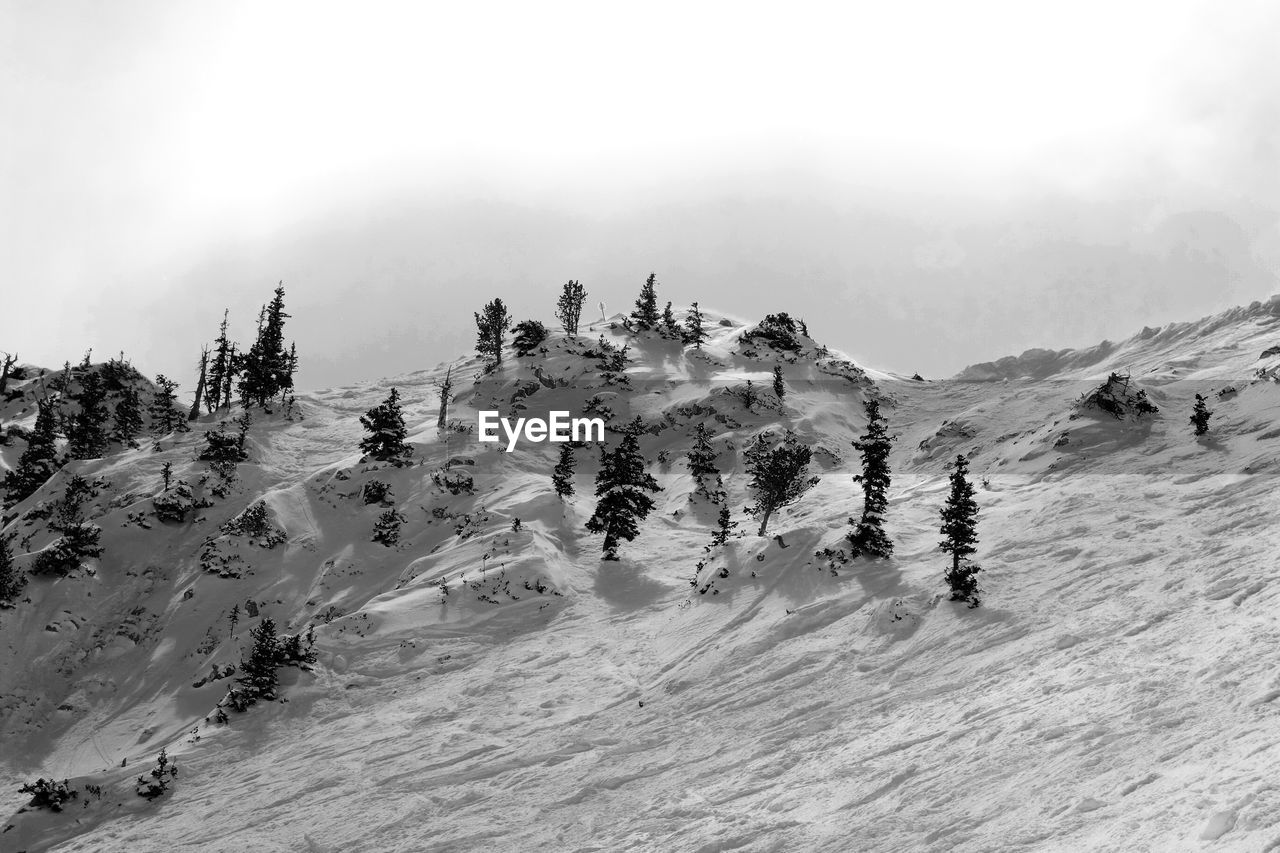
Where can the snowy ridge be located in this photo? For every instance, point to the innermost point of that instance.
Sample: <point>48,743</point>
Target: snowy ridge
<point>1226,345</point>
<point>1115,692</point>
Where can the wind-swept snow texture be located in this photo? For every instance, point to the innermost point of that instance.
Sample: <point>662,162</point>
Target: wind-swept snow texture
<point>1119,689</point>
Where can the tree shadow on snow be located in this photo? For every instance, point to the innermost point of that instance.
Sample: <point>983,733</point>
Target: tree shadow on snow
<point>626,587</point>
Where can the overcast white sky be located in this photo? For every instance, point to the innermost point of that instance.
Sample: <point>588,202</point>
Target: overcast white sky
<point>929,183</point>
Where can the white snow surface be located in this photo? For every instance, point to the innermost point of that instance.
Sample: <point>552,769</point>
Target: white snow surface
<point>1118,689</point>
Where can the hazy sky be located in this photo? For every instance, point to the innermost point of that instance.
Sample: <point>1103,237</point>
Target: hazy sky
<point>929,184</point>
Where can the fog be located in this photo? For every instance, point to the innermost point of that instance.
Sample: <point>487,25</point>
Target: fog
<point>928,185</point>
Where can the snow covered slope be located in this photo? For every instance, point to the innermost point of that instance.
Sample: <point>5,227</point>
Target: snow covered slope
<point>1117,690</point>
<point>1232,344</point>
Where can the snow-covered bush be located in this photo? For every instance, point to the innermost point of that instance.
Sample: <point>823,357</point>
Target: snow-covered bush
<point>48,794</point>
<point>255,523</point>
<point>775,330</point>
<point>376,492</point>
<point>386,531</point>
<point>1119,398</point>
<point>174,503</point>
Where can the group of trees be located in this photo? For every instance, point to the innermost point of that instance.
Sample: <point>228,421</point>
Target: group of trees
<point>493,322</point>
<point>777,469</point>
<point>80,409</point>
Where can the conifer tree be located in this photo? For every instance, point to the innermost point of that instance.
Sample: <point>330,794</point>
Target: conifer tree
<point>569,306</point>
<point>79,537</point>
<point>529,335</point>
<point>385,425</point>
<point>490,328</point>
<point>701,460</point>
<point>219,367</point>
<point>621,484</point>
<point>778,474</point>
<point>779,388</point>
<point>165,416</point>
<point>646,313</point>
<point>87,431</point>
<point>235,364</point>
<point>613,363</point>
<point>39,461</point>
<point>1200,415</point>
<point>127,417</point>
<point>670,328</point>
<point>266,369</point>
<point>562,476</point>
<point>12,581</point>
<point>694,330</point>
<point>258,676</point>
<point>724,527</point>
<point>868,536</point>
<point>960,527</point>
<point>386,530</point>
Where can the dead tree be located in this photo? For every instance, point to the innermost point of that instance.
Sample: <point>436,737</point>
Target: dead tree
<point>195,404</point>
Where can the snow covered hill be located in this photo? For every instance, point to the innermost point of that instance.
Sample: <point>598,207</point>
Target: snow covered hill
<point>485,684</point>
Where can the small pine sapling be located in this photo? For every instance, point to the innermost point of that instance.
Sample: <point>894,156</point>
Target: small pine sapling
<point>562,476</point>
<point>1200,415</point>
<point>156,783</point>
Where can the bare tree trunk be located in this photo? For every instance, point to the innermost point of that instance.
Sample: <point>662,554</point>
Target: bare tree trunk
<point>445,390</point>
<point>195,405</point>
<point>9,362</point>
<point>764,522</point>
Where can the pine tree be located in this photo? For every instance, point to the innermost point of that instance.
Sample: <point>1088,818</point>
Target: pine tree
<point>386,530</point>
<point>569,306</point>
<point>266,367</point>
<point>127,419</point>
<point>868,536</point>
<point>79,537</point>
<point>646,313</point>
<point>777,474</point>
<point>235,364</point>
<point>258,677</point>
<point>701,459</point>
<point>12,581</point>
<point>219,367</point>
<point>694,330</point>
<point>165,416</point>
<point>39,461</point>
<point>960,527</point>
<point>87,432</point>
<point>621,484</point>
<point>385,425</point>
<point>670,328</point>
<point>490,328</point>
<point>562,476</point>
<point>779,388</point>
<point>1200,415</point>
<point>529,335</point>
<point>613,363</point>
<point>724,527</point>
